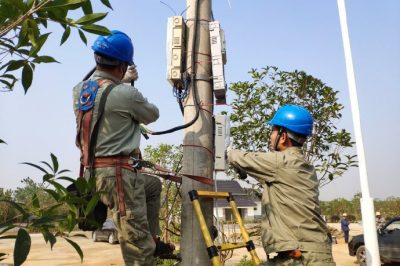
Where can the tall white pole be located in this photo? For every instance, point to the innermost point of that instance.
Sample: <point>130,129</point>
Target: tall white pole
<point>367,203</point>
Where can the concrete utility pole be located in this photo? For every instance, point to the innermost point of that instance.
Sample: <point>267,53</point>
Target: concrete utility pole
<point>198,144</point>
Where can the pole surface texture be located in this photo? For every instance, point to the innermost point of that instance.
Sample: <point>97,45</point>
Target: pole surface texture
<point>198,144</point>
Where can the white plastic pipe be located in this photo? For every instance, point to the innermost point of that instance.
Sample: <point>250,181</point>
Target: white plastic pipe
<point>367,203</point>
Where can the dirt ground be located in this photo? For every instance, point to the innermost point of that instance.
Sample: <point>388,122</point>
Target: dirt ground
<point>102,254</point>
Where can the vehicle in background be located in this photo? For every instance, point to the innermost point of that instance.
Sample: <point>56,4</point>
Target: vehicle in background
<point>388,242</point>
<point>107,233</point>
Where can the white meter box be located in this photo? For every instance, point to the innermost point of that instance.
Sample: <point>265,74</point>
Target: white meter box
<point>221,141</point>
<point>175,47</point>
<point>218,57</point>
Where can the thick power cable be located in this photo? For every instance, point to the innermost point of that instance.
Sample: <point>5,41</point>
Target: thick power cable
<point>192,80</point>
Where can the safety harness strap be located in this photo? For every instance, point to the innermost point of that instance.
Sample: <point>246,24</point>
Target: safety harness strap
<point>84,121</point>
<point>118,162</point>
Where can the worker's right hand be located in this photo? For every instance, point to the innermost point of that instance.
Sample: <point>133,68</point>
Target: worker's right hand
<point>131,74</point>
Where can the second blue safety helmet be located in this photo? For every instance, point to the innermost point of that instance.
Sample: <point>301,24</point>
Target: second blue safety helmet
<point>294,118</point>
<point>116,46</point>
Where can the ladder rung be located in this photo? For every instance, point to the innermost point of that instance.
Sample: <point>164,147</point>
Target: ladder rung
<point>230,246</point>
<point>212,194</point>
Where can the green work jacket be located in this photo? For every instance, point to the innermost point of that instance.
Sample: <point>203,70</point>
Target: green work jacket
<point>125,109</point>
<point>291,212</point>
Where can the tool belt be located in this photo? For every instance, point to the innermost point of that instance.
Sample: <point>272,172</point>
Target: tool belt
<point>294,254</point>
<point>118,162</point>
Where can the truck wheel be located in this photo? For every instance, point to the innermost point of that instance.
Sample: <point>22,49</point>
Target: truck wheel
<point>94,236</point>
<point>112,239</point>
<point>361,255</point>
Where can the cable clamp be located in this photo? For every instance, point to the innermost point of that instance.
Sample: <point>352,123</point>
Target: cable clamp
<point>203,77</point>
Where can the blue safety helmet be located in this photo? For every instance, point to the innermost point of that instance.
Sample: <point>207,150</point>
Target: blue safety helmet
<point>116,46</point>
<point>295,118</point>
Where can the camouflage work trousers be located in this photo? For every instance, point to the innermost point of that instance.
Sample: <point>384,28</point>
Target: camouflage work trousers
<point>142,203</point>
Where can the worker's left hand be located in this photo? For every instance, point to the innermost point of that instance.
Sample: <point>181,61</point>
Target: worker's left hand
<point>131,74</point>
<point>241,172</point>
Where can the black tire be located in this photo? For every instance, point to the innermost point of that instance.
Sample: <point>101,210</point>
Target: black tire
<point>94,236</point>
<point>112,239</point>
<point>361,255</point>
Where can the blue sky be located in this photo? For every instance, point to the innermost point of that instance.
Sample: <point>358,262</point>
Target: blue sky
<point>303,35</point>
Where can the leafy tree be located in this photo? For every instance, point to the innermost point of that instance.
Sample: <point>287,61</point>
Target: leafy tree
<point>23,25</point>
<point>389,208</point>
<point>170,157</point>
<point>24,194</point>
<point>47,218</point>
<point>5,210</point>
<point>256,101</point>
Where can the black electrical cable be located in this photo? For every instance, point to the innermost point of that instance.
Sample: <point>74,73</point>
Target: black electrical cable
<point>192,79</point>
<point>89,73</point>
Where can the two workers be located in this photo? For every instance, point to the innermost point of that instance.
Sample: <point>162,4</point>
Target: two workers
<point>292,226</point>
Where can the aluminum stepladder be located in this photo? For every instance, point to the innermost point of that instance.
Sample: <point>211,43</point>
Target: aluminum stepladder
<point>211,248</point>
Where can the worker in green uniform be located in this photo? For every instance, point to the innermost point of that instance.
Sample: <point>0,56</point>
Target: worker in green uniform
<point>118,139</point>
<point>292,225</point>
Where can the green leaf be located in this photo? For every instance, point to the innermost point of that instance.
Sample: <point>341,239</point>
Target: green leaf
<point>63,171</point>
<point>8,237</point>
<point>106,3</point>
<point>83,37</point>
<point>6,227</point>
<point>2,255</point>
<point>23,33</point>
<point>55,162</point>
<point>44,59</point>
<point>49,237</point>
<point>66,178</point>
<point>91,18</point>
<point>79,235</point>
<point>58,186</point>
<point>47,177</point>
<point>40,42</point>
<point>49,210</point>
<point>87,8</point>
<point>53,193</point>
<point>15,64</point>
<point>33,32</point>
<point>92,204</point>
<point>71,221</point>
<point>81,184</point>
<point>22,247</point>
<point>63,3</point>
<point>49,166</point>
<point>96,29</point>
<point>37,167</point>
<point>27,77</point>
<point>65,35</point>
<point>76,247</point>
<point>35,201</point>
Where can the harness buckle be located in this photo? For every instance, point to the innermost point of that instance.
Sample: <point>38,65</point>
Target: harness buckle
<point>135,163</point>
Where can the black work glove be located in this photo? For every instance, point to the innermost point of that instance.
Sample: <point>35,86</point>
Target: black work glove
<point>242,173</point>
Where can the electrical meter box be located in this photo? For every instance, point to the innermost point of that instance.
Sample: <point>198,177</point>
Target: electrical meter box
<point>221,141</point>
<point>175,49</point>
<point>218,58</point>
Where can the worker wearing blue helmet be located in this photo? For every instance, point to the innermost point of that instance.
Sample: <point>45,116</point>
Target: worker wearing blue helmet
<point>125,191</point>
<point>292,226</point>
